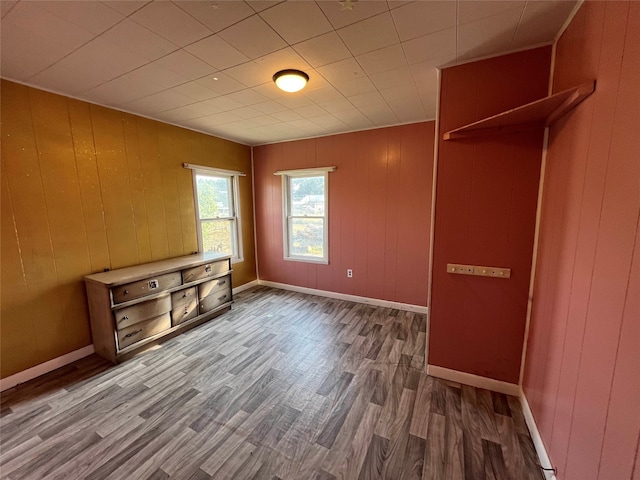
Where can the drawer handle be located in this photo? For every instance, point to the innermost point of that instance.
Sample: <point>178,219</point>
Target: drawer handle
<point>222,282</point>
<point>126,292</point>
<point>125,318</point>
<point>184,296</point>
<point>222,297</point>
<point>186,310</point>
<point>207,269</point>
<point>129,335</point>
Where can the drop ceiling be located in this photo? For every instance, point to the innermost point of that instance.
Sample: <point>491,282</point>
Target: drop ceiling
<point>207,65</point>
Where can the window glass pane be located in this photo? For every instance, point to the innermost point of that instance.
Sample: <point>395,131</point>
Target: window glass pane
<point>214,196</point>
<point>217,236</point>
<point>307,237</point>
<point>307,195</point>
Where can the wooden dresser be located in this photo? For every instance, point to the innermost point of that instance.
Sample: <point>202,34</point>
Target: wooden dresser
<point>138,306</point>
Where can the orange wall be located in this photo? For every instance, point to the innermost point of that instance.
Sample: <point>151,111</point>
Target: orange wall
<point>86,188</point>
<point>379,212</point>
<point>582,372</point>
<point>486,194</point>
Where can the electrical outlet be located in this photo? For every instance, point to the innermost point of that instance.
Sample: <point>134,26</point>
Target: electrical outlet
<point>349,273</point>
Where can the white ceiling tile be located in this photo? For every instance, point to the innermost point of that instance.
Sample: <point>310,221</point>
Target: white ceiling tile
<point>61,78</point>
<point>342,71</point>
<point>489,35</point>
<point>472,10</point>
<point>283,59</point>
<point>380,114</point>
<point>366,100</point>
<point>425,77</point>
<point>404,93</point>
<point>397,3</point>
<point>269,90</point>
<point>329,121</point>
<point>340,17</point>
<point>25,54</point>
<point>297,21</point>
<point>421,18</point>
<point>392,78</point>
<point>215,119</point>
<point>158,102</point>
<point>223,104</point>
<point>247,97</point>
<point>541,21</point>
<point>167,20</point>
<point>253,37</point>
<point>293,100</point>
<point>195,90</point>
<point>187,112</point>
<point>95,17</point>
<point>126,7</point>
<point>371,34</point>
<point>270,107</point>
<point>324,94</point>
<point>287,116</point>
<point>324,49</point>
<point>337,106</point>
<point>440,45</point>
<point>221,83</point>
<point>354,119</point>
<point>185,65</point>
<point>355,87</point>
<point>310,111</point>
<point>260,5</point>
<point>138,39</point>
<point>250,74</point>
<point>388,58</point>
<point>216,15</point>
<point>265,120</point>
<point>217,52</point>
<point>247,112</point>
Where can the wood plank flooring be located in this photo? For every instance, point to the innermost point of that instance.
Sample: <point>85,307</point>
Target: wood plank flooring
<point>285,386</point>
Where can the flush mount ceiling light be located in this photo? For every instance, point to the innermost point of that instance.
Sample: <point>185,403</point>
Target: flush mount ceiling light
<point>290,80</point>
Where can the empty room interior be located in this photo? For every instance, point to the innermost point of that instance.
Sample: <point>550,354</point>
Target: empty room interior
<point>320,240</point>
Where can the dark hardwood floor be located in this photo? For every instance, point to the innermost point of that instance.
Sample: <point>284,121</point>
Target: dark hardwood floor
<point>286,386</point>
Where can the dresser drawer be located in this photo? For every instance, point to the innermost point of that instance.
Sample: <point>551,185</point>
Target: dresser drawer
<point>209,288</point>
<point>150,285</point>
<point>142,311</point>
<point>183,296</point>
<point>139,331</point>
<point>215,300</point>
<point>204,271</point>
<point>184,312</point>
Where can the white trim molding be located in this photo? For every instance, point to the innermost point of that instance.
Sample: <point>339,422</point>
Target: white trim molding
<point>541,450</point>
<point>213,170</point>
<point>305,171</point>
<point>245,286</point>
<point>46,367</point>
<point>345,296</point>
<point>474,380</point>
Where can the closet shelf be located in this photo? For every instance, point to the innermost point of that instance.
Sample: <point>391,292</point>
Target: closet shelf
<point>538,114</point>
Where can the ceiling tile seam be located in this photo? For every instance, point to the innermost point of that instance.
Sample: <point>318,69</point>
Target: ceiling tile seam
<point>176,4</point>
<point>10,9</point>
<point>80,46</point>
<point>515,30</point>
<point>413,77</point>
<point>360,21</point>
<point>126,16</point>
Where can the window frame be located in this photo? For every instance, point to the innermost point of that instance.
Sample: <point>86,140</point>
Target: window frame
<point>287,217</point>
<point>235,218</point>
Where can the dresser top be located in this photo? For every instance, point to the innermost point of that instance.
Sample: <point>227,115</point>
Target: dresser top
<point>145,270</point>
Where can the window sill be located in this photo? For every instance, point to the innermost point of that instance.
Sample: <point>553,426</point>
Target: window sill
<point>319,261</point>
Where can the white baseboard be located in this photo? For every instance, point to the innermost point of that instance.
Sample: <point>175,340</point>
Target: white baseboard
<point>541,450</point>
<point>46,367</point>
<point>474,380</point>
<point>245,286</point>
<point>344,296</point>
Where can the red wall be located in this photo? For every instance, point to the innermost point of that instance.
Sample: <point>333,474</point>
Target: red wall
<point>379,212</point>
<point>582,372</point>
<point>486,195</point>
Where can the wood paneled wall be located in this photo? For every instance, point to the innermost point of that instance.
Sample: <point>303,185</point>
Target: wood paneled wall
<point>582,372</point>
<point>379,212</point>
<point>86,188</point>
<point>486,194</point>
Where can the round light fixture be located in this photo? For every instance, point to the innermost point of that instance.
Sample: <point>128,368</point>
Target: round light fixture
<point>290,80</point>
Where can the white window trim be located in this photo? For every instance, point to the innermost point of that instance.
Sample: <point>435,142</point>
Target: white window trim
<point>302,173</point>
<point>235,197</point>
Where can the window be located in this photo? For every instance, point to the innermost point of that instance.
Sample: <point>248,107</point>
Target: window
<point>305,210</point>
<point>217,212</point>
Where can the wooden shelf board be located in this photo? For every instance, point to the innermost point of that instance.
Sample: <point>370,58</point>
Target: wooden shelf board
<point>537,114</point>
